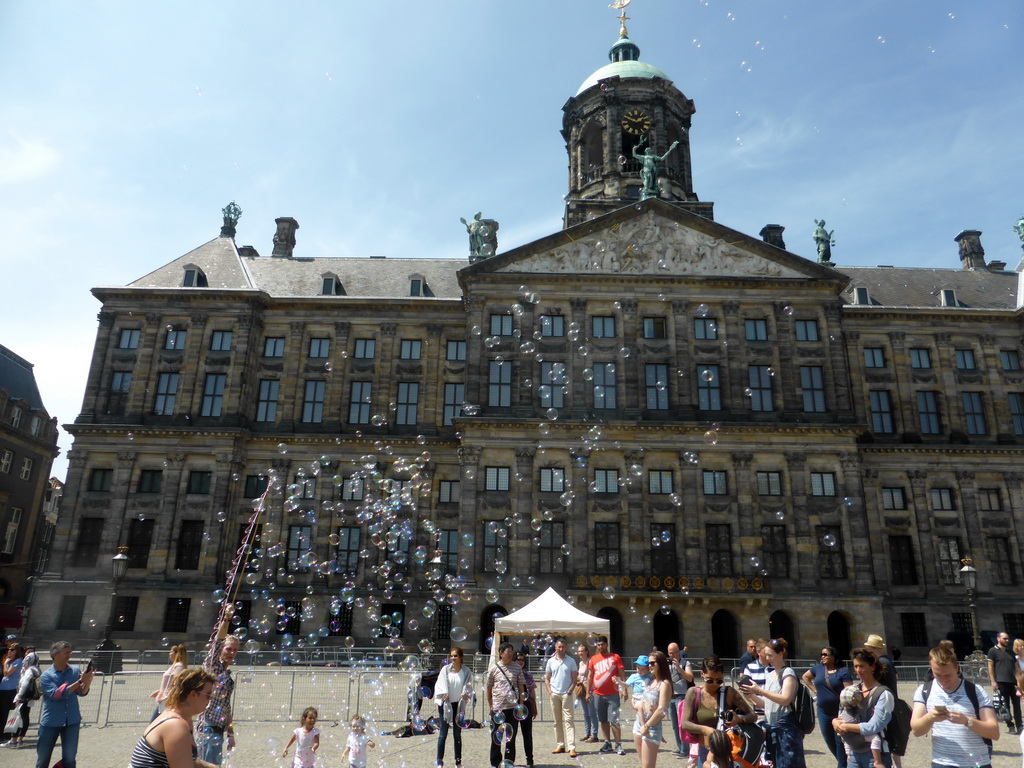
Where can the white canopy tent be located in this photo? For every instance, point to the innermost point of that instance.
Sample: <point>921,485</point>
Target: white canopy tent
<point>548,613</point>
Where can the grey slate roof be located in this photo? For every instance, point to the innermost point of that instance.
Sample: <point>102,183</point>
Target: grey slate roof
<point>17,378</point>
<point>916,287</point>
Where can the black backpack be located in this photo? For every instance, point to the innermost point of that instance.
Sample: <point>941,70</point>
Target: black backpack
<point>897,732</point>
<point>803,708</point>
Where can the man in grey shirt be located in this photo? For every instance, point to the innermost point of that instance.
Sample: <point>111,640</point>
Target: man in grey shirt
<point>682,678</point>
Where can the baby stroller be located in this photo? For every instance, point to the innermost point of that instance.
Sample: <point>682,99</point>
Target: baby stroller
<point>1002,708</point>
<point>747,744</point>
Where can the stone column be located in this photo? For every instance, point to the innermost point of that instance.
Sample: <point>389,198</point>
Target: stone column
<point>631,387</point>
<point>926,537</point>
<point>681,390</point>
<point>521,547</point>
<point>98,368</point>
<point>806,539</point>
<point>581,394</point>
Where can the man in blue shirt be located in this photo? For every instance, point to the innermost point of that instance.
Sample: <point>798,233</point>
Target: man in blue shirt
<point>61,686</point>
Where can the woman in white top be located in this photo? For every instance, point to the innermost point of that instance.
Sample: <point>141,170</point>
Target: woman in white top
<point>178,658</point>
<point>448,692</point>
<point>785,739</point>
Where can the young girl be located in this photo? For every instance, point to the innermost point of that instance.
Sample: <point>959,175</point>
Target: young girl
<point>306,739</point>
<point>358,741</point>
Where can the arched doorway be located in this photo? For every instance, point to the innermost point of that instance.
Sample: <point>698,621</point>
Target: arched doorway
<point>839,634</point>
<point>615,637</point>
<point>724,635</point>
<point>781,625</point>
<point>666,630</point>
<point>487,617</point>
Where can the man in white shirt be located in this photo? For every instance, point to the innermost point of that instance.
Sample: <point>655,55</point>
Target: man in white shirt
<point>960,720</point>
<point>560,675</point>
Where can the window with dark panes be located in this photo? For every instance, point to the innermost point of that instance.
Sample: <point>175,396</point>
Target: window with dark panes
<point>663,549</point>
<point>339,618</point>
<point>365,349</point>
<point>72,608</point>
<point>290,622</point>
<point>705,328</point>
<point>352,489</point>
<point>881,411</point>
<point>199,481</point>
<point>359,400</point>
<point>117,400</point>
<point>807,330</point>
<point>501,325</point>
<point>989,500</point>
<point>831,556</point>
<point>220,341</point>
<point>319,347</point>
<point>408,403</point>
<point>273,346</point>
<point>396,612</point>
<point>942,499</point>
<point>716,483</point>
<point>1010,359</point>
<point>300,538</point>
<point>603,326</point>
<point>499,384</point>
<point>266,403</point>
<point>965,360</point>
<point>495,545</point>
<point>893,498</point>
<point>313,402</point>
<point>150,481</point>
<point>448,543</point>
<point>950,555</point>
<point>140,539</point>
<point>1014,624</point>
<point>100,479</point>
<point>902,560</point>
<point>454,397</point>
<point>812,388</point>
<point>774,551</point>
<point>456,351</point>
<point>1016,402</point>
<point>606,481</point>
<point>551,391</point>
<point>874,357</point>
<point>607,543</point>
<point>551,537</point>
<point>255,485</point>
<point>552,325</point>
<point>709,388</point>
<point>823,484</point>
<point>605,386</point>
<point>128,338</point>
<point>656,383</point>
<point>920,359</point>
<point>175,339</point>
<point>915,630</point>
<point>718,545</point>
<point>449,492</point>
<point>655,328</point>
<point>411,349</point>
<point>125,609</point>
<point>552,480</point>
<point>303,486</point>
<point>443,623</point>
<point>190,545</point>
<point>769,483</point>
<point>974,413</point>
<point>166,394</point>
<point>1001,561</point>
<point>496,478</point>
<point>755,330</point>
<point>759,378</point>
<point>347,553</point>
<point>928,413</point>
<point>659,481</point>
<point>254,553</point>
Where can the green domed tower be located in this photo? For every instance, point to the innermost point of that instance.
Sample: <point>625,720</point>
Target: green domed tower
<point>626,105</point>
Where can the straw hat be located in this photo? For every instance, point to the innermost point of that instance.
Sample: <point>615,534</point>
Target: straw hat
<point>875,641</point>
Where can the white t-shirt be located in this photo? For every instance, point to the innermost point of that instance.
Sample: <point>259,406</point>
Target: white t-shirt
<point>953,744</point>
<point>357,749</point>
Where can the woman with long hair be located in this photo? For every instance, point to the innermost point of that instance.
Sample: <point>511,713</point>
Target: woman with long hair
<point>448,692</point>
<point>589,706</point>
<point>875,714</point>
<point>654,703</point>
<point>168,742</point>
<point>178,660</point>
<point>826,681</point>
<point>785,740</point>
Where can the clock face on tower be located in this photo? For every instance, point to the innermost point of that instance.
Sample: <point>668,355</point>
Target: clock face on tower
<point>636,122</point>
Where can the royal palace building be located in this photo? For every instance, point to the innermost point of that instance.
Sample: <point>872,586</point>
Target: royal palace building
<point>686,429</point>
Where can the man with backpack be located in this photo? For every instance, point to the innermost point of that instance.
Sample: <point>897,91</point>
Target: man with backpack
<point>959,715</point>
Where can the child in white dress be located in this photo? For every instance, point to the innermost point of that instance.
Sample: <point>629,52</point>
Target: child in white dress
<point>306,739</point>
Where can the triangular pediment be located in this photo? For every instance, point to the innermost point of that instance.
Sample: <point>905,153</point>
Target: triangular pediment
<point>654,239</point>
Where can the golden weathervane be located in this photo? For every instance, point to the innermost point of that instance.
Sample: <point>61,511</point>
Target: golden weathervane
<point>620,5</point>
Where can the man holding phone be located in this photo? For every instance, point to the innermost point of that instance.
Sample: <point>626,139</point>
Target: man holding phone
<point>61,686</point>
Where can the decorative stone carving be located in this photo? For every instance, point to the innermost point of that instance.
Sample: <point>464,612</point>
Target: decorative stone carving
<point>388,329</point>
<point>105,318</point>
<point>469,456</point>
<point>126,458</point>
<point>199,321</point>
<point>578,305</point>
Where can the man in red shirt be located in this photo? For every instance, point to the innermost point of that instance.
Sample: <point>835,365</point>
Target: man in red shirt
<point>605,681</point>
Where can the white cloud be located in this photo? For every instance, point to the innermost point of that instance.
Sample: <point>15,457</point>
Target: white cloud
<point>25,159</point>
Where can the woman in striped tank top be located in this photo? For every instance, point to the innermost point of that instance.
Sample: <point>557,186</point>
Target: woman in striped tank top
<point>168,742</point>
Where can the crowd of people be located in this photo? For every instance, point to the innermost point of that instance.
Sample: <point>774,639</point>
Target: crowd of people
<point>862,720</point>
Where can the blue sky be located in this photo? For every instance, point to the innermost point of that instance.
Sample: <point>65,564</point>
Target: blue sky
<point>126,127</point>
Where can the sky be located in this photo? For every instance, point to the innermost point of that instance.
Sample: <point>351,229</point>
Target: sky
<point>125,128</point>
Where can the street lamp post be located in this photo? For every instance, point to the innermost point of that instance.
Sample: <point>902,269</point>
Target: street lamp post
<point>109,658</point>
<point>969,577</point>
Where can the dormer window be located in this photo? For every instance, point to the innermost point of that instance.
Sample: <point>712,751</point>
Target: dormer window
<point>418,286</point>
<point>194,278</point>
<point>948,297</point>
<point>861,296</point>
<point>332,286</point>
<point>16,417</point>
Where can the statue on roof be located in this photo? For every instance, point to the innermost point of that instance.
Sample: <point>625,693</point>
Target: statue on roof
<point>483,237</point>
<point>232,213</point>
<point>620,5</point>
<point>1019,229</point>
<point>824,242</point>
<point>649,169</point>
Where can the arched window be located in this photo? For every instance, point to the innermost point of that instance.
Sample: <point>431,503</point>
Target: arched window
<point>780,624</point>
<point>725,638</point>
<point>487,617</point>
<point>666,629</point>
<point>615,635</point>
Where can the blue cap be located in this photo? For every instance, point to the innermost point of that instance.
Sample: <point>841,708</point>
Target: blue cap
<point>643,661</point>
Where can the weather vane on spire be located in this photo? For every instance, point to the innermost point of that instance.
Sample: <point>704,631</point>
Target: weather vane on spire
<point>620,5</point>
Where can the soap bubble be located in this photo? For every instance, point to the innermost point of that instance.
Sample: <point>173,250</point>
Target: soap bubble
<point>218,596</point>
<point>711,437</point>
<point>282,447</point>
<point>492,595</point>
<point>828,540</point>
<point>755,562</point>
<point>458,634</point>
<point>520,712</point>
<point>665,610</point>
<point>609,592</point>
<point>703,310</point>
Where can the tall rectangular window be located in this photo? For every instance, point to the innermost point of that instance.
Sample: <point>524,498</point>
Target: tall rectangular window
<point>213,394</point>
<point>501,325</point>
<point>140,539</point>
<point>552,480</point>
<point>1003,571</point>
<point>299,540</point>
<point>603,326</point>
<point>663,549</point>
<point>359,400</point>
<point>1016,402</point>
<point>166,393</point>
<point>365,349</point>
<point>902,561</point>
<point>313,402</point>
<point>190,545</point>
<point>718,544</point>
<point>175,339</point>
<point>125,609</point>
<point>942,499</point>
<point>5,461</point>
<point>989,500</point>
<point>606,481</point>
<point>255,486</point>
<point>655,328</point>
<point>812,388</point>
<point>775,553</point>
<point>974,413</point>
<point>705,328</point>
<point>497,478</point>
<point>117,401</point>
<point>72,608</point>
<point>928,413</point>
<point>499,384</point>
<point>950,555</point>
<point>755,330</point>
<point>659,481</point>
<point>220,341</point>
<point>26,468</point>
<point>760,380</point>
<point>290,622</point>
<point>352,488</point>
<point>915,630</point>
<point>199,481</point>
<point>965,360</point>
<point>266,404</point>
<point>100,480</point>
<point>551,391</point>
<point>1010,359</point>
<point>607,543</point>
<point>273,346</point>
<point>656,376</point>
<point>150,481</point>
<point>920,359</point>
<point>408,403</point>
<point>10,540</point>
<point>319,347</point>
<point>831,557</point>
<point>448,543</point>
<point>549,554</point>
<point>881,411</point>
<point>347,552</point>
<point>893,498</point>
<point>552,325</point>
<point>715,483</point>
<point>449,491</point>
<point>454,396</point>
<point>128,338</point>
<point>769,483</point>
<point>456,351</point>
<point>874,357</point>
<point>495,548</point>
<point>807,330</point>
<point>709,388</point>
<point>411,349</point>
<point>605,386</point>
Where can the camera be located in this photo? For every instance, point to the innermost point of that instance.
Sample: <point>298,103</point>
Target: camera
<point>730,716</point>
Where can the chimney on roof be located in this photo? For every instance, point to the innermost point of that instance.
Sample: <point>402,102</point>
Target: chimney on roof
<point>972,255</point>
<point>284,238</point>
<point>772,234</point>
<point>996,266</point>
